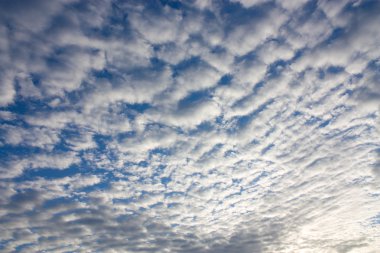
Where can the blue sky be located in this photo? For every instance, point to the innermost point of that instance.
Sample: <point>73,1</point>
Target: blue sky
<point>189,126</point>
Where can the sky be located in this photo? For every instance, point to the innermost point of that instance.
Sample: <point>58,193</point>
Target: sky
<point>194,126</point>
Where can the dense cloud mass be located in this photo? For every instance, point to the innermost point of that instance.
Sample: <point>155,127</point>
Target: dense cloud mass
<point>195,126</point>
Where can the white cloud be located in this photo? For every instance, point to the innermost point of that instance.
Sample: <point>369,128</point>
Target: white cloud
<point>250,3</point>
<point>37,137</point>
<point>197,126</point>
<point>7,89</point>
<point>261,28</point>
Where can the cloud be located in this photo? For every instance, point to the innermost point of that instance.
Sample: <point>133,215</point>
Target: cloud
<point>7,89</point>
<point>189,126</point>
<point>36,137</point>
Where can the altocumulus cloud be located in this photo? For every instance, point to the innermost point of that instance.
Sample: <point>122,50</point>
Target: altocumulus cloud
<point>190,126</point>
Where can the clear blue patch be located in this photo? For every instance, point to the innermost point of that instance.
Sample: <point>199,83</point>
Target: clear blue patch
<point>204,127</point>
<point>173,205</point>
<point>165,180</point>
<point>338,33</point>
<point>193,99</point>
<point>23,247</point>
<point>225,80</point>
<point>101,141</point>
<point>267,148</point>
<point>235,14</point>
<point>12,122</point>
<point>214,149</point>
<point>123,201</point>
<point>28,107</point>
<point>307,11</point>
<point>217,49</point>
<point>102,74</point>
<point>347,92</point>
<point>193,61</point>
<point>270,131</point>
<point>312,121</point>
<point>172,3</point>
<point>4,243</point>
<point>258,87</point>
<point>236,181</point>
<point>334,69</point>
<point>104,184</point>
<point>296,113</point>
<point>275,69</point>
<point>364,7</point>
<point>161,151</point>
<point>121,137</point>
<point>158,204</point>
<point>230,153</point>
<point>48,173</point>
<point>143,164</point>
<point>375,220</point>
<point>324,124</point>
<point>242,121</point>
<point>9,152</point>
<point>254,142</point>
<point>298,54</point>
<point>336,88</point>
<point>53,203</point>
<point>157,63</point>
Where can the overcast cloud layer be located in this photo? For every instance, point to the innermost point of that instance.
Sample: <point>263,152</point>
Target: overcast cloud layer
<point>199,126</point>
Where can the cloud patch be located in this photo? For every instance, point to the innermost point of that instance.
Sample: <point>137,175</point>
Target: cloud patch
<point>189,126</point>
